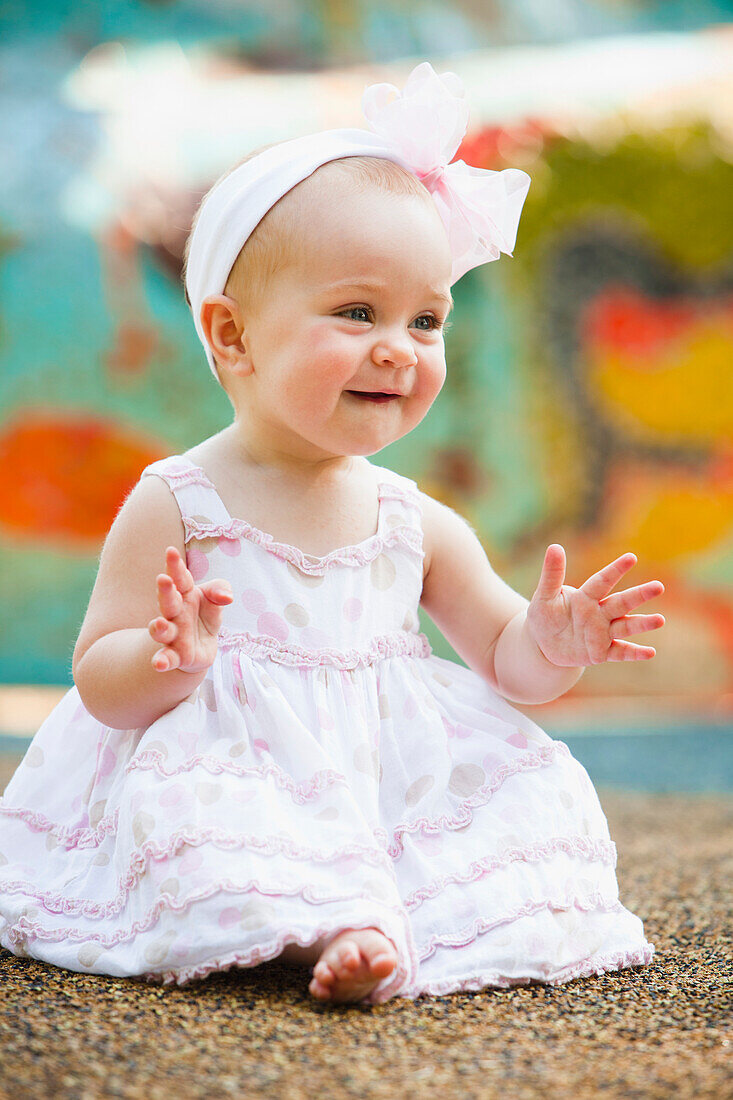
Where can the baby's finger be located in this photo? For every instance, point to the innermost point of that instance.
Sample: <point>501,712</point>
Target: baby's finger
<point>178,570</point>
<point>162,630</point>
<point>621,602</point>
<point>630,651</point>
<point>218,592</point>
<point>635,624</point>
<point>600,584</point>
<point>170,600</point>
<point>552,576</point>
<point>165,660</point>
<point>216,595</point>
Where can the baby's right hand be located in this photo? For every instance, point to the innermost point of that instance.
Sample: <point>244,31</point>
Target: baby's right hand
<point>190,617</point>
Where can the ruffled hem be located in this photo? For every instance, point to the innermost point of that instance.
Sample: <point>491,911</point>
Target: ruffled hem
<point>65,835</point>
<point>597,964</point>
<point>155,852</point>
<point>28,923</point>
<point>55,902</point>
<point>595,903</point>
<point>384,991</point>
<point>583,847</point>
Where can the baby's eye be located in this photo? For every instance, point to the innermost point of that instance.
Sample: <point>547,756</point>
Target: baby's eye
<point>433,322</point>
<point>356,309</point>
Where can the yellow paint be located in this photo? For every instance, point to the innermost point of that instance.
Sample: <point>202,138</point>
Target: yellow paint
<point>685,393</point>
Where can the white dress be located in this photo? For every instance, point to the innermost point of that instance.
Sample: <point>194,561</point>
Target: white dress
<point>329,772</point>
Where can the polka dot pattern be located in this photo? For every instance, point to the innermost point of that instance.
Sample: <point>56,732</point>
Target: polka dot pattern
<point>156,952</point>
<point>353,609</point>
<point>34,758</point>
<point>383,573</point>
<point>465,779</point>
<point>96,813</point>
<point>88,954</point>
<point>142,826</point>
<point>254,601</point>
<point>296,614</point>
<point>417,790</point>
<point>273,626</point>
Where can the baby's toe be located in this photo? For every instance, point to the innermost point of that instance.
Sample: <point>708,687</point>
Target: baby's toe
<point>322,982</point>
<point>319,991</point>
<point>349,958</point>
<point>383,964</point>
<point>380,952</point>
<point>323,973</point>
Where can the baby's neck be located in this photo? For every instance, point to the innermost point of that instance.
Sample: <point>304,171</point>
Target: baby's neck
<point>244,461</point>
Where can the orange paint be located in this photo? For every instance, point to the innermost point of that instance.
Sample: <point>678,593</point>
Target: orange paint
<point>66,477</point>
<point>622,320</point>
<point>495,145</point>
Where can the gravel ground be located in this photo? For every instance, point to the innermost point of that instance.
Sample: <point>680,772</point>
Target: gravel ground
<point>657,1031</point>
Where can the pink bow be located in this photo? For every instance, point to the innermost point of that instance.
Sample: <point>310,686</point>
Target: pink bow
<point>425,124</point>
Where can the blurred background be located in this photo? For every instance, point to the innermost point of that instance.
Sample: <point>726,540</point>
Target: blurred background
<point>589,397</point>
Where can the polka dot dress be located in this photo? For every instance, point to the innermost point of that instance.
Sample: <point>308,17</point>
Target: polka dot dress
<point>329,772</point>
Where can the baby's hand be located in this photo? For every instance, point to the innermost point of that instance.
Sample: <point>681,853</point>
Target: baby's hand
<point>585,626</point>
<point>190,617</point>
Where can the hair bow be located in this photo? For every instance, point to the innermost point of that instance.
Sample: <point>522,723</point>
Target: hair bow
<point>425,124</point>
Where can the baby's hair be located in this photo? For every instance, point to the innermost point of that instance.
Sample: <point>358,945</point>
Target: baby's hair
<point>269,247</point>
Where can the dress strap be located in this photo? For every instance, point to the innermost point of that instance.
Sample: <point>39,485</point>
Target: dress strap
<point>397,487</point>
<point>195,495</point>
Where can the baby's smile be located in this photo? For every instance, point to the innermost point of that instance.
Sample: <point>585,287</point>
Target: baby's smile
<point>376,398</point>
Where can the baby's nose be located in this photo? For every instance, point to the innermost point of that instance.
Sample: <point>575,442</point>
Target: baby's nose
<point>397,349</point>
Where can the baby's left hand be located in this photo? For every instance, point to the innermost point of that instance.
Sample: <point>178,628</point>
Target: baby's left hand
<point>585,626</point>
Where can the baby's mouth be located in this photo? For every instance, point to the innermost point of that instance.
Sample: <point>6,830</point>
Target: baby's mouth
<point>378,397</point>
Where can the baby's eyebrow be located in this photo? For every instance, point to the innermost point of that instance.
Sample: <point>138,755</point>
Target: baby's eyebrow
<point>432,291</point>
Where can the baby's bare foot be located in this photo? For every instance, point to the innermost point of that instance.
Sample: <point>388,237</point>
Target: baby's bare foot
<point>352,964</point>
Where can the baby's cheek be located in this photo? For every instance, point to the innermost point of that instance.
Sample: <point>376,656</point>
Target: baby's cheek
<point>335,358</point>
<point>432,379</point>
<point>324,340</point>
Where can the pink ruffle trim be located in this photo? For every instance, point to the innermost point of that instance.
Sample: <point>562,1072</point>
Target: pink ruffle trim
<point>81,837</point>
<point>401,643</point>
<point>410,538</point>
<point>54,902</point>
<point>25,928</point>
<point>386,989</point>
<point>599,963</point>
<point>464,814</point>
<point>594,902</point>
<point>152,759</point>
<point>584,847</point>
<point>178,476</point>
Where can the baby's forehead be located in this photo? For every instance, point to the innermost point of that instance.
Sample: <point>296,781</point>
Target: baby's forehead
<point>339,182</point>
<point>339,223</point>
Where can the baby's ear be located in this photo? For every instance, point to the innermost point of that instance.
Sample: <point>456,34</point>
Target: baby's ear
<point>221,320</point>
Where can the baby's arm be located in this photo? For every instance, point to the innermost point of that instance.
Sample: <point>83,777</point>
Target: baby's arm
<point>472,606</point>
<point>529,651</point>
<point>132,619</point>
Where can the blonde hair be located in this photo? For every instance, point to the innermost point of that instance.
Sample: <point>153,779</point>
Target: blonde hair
<point>272,244</point>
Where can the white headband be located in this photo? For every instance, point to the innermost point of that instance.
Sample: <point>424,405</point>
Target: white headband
<point>420,129</point>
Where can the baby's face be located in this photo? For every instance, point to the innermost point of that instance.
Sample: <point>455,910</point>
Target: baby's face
<point>360,308</point>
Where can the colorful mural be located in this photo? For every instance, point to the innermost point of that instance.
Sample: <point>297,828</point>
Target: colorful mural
<point>624,409</point>
<point>589,397</point>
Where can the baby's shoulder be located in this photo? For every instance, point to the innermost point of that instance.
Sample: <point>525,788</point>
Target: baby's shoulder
<point>149,510</point>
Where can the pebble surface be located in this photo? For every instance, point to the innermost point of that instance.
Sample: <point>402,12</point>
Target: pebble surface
<point>658,1031</point>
